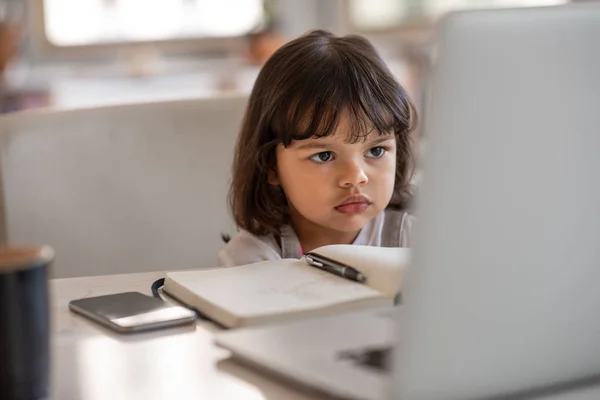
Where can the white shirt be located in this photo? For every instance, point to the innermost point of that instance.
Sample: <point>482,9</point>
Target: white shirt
<point>390,228</point>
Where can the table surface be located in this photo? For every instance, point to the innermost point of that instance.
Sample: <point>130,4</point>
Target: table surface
<point>92,363</point>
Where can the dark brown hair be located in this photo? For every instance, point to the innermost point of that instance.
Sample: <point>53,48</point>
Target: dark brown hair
<point>301,92</point>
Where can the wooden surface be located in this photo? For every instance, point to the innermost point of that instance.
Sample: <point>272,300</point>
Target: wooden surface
<point>92,363</point>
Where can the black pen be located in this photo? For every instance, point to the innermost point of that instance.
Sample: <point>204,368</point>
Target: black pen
<point>334,267</point>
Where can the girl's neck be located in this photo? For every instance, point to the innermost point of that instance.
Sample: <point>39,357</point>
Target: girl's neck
<point>312,236</point>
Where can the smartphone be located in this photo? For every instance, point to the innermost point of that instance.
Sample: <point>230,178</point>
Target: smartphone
<point>131,312</point>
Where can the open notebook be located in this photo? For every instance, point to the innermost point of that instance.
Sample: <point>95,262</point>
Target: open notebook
<point>280,290</point>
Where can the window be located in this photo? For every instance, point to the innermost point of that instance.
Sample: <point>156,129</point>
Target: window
<point>384,14</point>
<point>88,22</point>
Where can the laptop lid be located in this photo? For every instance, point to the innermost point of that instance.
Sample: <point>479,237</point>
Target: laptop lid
<point>503,296</point>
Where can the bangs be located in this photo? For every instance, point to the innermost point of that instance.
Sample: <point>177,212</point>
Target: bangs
<point>369,102</point>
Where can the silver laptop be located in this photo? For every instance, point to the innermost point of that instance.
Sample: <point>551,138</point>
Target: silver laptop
<point>503,297</point>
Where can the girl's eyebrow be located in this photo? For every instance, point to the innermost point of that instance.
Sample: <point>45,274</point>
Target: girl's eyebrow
<point>313,145</point>
<point>381,139</point>
<point>317,144</point>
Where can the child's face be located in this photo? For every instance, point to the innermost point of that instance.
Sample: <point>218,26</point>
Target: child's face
<point>336,185</point>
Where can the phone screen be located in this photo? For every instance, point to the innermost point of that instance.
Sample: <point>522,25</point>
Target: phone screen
<point>132,311</point>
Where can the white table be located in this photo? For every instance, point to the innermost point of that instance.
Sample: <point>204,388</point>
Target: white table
<point>92,363</point>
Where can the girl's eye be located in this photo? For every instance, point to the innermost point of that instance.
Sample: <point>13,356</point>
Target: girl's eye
<point>322,157</point>
<point>376,152</point>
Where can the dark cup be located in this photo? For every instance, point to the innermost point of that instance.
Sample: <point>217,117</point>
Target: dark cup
<point>24,323</point>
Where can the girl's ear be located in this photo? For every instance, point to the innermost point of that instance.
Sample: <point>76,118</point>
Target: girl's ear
<point>273,178</point>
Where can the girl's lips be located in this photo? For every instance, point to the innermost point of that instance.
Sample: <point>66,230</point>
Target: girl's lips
<point>354,205</point>
<point>353,208</point>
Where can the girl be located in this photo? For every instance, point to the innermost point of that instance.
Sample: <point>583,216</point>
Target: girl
<point>324,155</point>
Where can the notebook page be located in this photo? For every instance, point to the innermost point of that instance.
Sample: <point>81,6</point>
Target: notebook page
<point>271,287</point>
<point>383,266</point>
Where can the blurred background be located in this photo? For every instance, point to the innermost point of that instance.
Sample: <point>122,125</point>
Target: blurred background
<point>122,158</point>
<point>85,53</point>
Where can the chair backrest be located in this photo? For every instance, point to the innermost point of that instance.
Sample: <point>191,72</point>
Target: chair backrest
<point>121,189</point>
